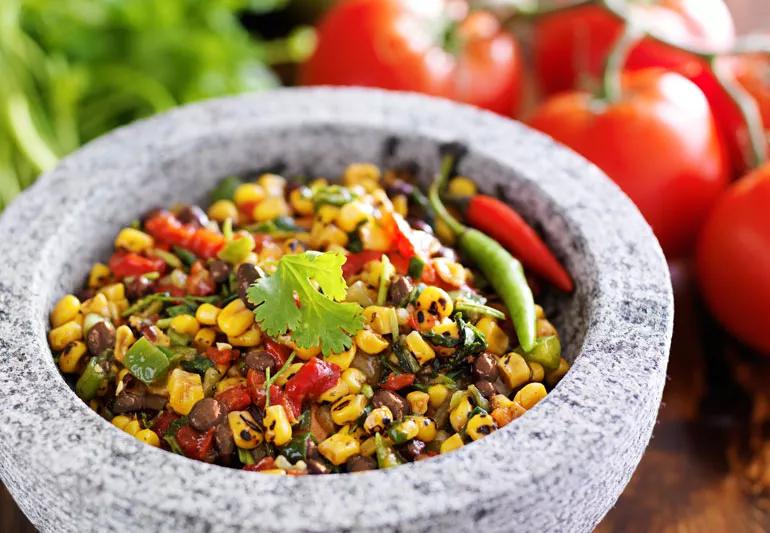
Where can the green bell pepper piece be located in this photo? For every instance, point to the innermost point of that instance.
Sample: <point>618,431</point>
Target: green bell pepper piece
<point>145,361</point>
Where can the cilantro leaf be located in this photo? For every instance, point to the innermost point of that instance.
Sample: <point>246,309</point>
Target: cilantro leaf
<point>318,315</point>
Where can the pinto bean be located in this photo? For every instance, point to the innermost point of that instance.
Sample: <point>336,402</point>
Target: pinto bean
<point>101,337</point>
<point>397,405</point>
<point>485,367</point>
<point>359,463</point>
<point>206,414</point>
<point>220,270</point>
<point>260,361</point>
<point>223,438</point>
<point>245,276</point>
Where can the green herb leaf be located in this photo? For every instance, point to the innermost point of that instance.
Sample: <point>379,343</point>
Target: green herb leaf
<point>197,365</point>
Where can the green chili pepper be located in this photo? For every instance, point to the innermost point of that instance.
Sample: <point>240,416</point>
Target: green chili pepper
<point>386,455</point>
<point>547,352</point>
<point>472,308</point>
<point>146,361</point>
<point>92,379</point>
<point>503,271</point>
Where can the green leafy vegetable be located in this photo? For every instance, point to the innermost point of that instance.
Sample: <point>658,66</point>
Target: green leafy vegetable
<point>306,297</point>
<point>197,365</point>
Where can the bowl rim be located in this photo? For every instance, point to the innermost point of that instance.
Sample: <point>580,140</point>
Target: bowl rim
<point>617,323</point>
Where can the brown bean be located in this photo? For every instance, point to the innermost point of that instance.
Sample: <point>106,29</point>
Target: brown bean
<point>414,449</point>
<point>128,402</point>
<point>370,366</point>
<point>206,414</point>
<point>223,437</point>
<point>193,215</point>
<point>397,405</point>
<point>260,361</point>
<point>154,402</point>
<point>485,366</point>
<point>360,463</point>
<point>138,287</point>
<point>399,290</point>
<point>101,337</point>
<point>220,271</point>
<point>245,276</point>
<point>316,467</point>
<point>486,388</point>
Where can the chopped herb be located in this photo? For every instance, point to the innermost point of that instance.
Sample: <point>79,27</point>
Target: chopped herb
<point>332,195</point>
<point>186,256</point>
<point>197,365</point>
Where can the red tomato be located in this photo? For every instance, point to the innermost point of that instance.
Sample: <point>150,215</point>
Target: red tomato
<point>398,381</point>
<point>659,143</point>
<point>575,42</point>
<point>733,259</point>
<point>407,45</point>
<point>125,264</point>
<point>222,356</point>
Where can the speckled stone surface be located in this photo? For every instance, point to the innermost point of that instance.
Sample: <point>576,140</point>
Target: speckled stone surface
<point>559,468</point>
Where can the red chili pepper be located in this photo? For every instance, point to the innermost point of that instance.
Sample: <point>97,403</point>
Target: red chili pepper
<point>200,282</point>
<point>402,237</point>
<point>498,220</point>
<point>355,263</point>
<point>396,382</point>
<point>235,398</point>
<point>125,264</point>
<point>279,352</point>
<point>313,379</point>
<point>221,356</point>
<point>164,420</point>
<point>201,241</point>
<point>194,444</point>
<point>266,463</point>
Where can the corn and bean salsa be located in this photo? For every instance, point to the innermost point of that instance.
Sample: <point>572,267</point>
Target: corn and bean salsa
<point>300,328</point>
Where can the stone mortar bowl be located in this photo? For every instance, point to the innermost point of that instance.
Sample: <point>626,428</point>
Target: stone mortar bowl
<point>559,468</point>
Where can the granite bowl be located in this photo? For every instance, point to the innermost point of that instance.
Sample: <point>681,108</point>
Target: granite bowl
<point>560,467</point>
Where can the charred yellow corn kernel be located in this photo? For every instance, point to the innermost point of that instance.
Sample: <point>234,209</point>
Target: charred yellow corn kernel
<point>327,214</point>
<point>500,400</point>
<point>354,379</point>
<point>185,325</point>
<point>132,428</point>
<point>544,328</point>
<point>435,302</point>
<point>124,339</point>
<point>368,447</point>
<point>235,318</point>
<point>438,395</point>
<point>65,310</point>
<point>248,339</point>
<point>419,347</point>
<point>461,186</point>
<point>277,425</point>
<point>134,240</point>
<point>374,237</point>
<point>184,390</point>
<point>60,337</point>
<point>335,393</point>
<point>229,383</point>
<point>69,361</point>
<point>273,184</point>
<point>407,429</point>
<point>401,205</point>
<point>450,272</point>
<point>370,342</point>
<point>270,209</point>
<point>248,193</point>
<point>497,340</point>
<point>98,305</point>
<point>207,314</point>
<point>283,378</point>
<point>353,214</point>
<point>446,328</point>
<point>418,402</point>
<point>204,339</point>
<point>357,173</point>
<point>115,292</point>
<point>480,425</point>
<point>459,415</point>
<point>301,200</point>
<point>348,408</point>
<point>530,394</point>
<point>426,428</point>
<point>379,318</point>
<point>221,210</point>
<point>554,376</point>
<point>343,359</point>
<point>536,371</point>
<point>120,421</point>
<point>326,236</point>
<point>148,436</point>
<point>444,232</point>
<point>340,447</point>
<point>98,276</point>
<point>378,420</point>
<point>243,425</point>
<point>514,370</point>
<point>452,443</point>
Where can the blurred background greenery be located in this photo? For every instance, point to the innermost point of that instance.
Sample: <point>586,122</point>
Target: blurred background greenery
<point>72,70</point>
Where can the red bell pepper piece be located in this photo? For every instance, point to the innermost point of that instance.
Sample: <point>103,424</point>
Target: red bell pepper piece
<point>396,382</point>
<point>235,398</point>
<point>402,237</point>
<point>194,444</point>
<point>164,420</point>
<point>313,379</point>
<point>498,220</point>
<point>124,264</point>
<point>266,463</point>
<point>279,352</point>
<point>203,242</point>
<point>222,356</point>
<point>354,263</point>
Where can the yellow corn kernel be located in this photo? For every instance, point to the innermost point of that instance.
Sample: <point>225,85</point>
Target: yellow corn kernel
<point>204,339</point>
<point>242,425</point>
<point>335,393</point>
<point>115,292</point>
<point>497,340</point>
<point>117,309</point>
<point>514,370</point>
<point>326,236</point>
<point>132,428</point>
<point>277,425</point>
<point>60,337</point>
<point>348,408</point>
<point>99,274</point>
<point>248,339</point>
<point>343,359</point>
<point>359,172</point>
<point>401,205</point>
<point>97,305</point>
<point>459,415</point>
<point>229,383</point>
<point>530,394</point>
<point>505,410</point>
<point>444,232</point>
<point>120,421</point>
<point>148,436</point>
<point>327,214</point>
<point>270,209</point>
<point>207,314</point>
<point>426,428</point>
<point>370,342</point>
<point>185,325</point>
<point>184,390</point>
<point>65,310</point>
<point>374,237</point>
<point>378,420</point>
<point>480,425</point>
<point>301,200</point>
<point>446,328</point>
<point>273,184</point>
<point>554,376</point>
<point>438,394</point>
<point>221,210</point>
<point>133,240</point>
<point>71,357</point>
<point>368,447</point>
<point>124,339</point>
<point>235,318</point>
<point>452,443</point>
<point>340,447</point>
<point>283,378</point>
<point>544,328</point>
<point>536,371</point>
<point>408,428</point>
<point>419,347</point>
<point>379,318</point>
<point>307,353</point>
<point>354,379</point>
<point>435,302</point>
<point>500,400</point>
<point>418,402</point>
<point>248,193</point>
<point>353,214</point>
<point>462,186</point>
<point>449,271</point>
